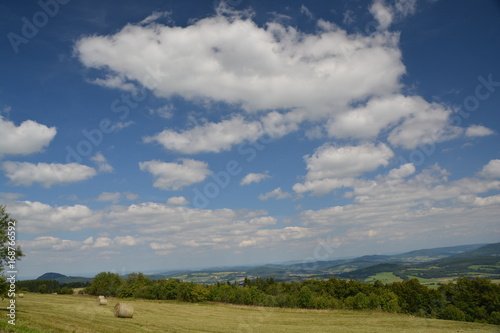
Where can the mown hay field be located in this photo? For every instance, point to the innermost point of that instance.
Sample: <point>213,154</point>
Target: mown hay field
<point>74,313</point>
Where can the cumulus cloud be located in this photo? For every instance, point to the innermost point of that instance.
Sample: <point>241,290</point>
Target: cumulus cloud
<point>264,220</point>
<point>382,13</point>
<point>162,246</point>
<point>405,8</point>
<point>171,227</point>
<point>166,111</point>
<point>50,243</point>
<point>27,138</point>
<point>478,130</point>
<point>108,196</point>
<point>116,197</point>
<point>307,75</point>
<point>386,14</point>
<point>115,82</point>
<point>330,166</point>
<point>367,121</point>
<point>47,175</point>
<point>38,217</point>
<point>254,178</point>
<point>410,205</point>
<point>56,244</point>
<point>277,194</point>
<point>491,170</point>
<point>431,124</point>
<point>173,176</point>
<point>102,163</point>
<point>210,137</point>
<point>177,201</point>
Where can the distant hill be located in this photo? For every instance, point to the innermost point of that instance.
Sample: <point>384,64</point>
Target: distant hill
<point>63,279</point>
<point>484,251</point>
<point>473,260</point>
<point>434,253</point>
<point>482,261</point>
<point>51,276</point>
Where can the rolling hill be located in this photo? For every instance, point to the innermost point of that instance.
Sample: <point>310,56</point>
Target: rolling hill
<point>429,265</point>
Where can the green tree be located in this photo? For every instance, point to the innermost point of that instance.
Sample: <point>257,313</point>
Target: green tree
<point>305,297</point>
<point>199,293</point>
<point>451,312</point>
<point>10,252</point>
<point>135,285</point>
<point>42,289</point>
<point>105,283</point>
<point>65,291</point>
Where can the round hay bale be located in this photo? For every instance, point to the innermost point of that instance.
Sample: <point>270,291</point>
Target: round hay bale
<point>101,297</point>
<point>20,295</point>
<point>103,301</point>
<point>124,310</point>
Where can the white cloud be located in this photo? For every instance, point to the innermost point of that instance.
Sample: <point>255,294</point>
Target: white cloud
<point>379,113</point>
<point>162,246</point>
<point>116,197</point>
<point>382,13</point>
<point>329,161</point>
<point>155,16</point>
<point>50,243</point>
<point>405,8</point>
<point>304,10</point>
<point>410,206</point>
<point>130,196</point>
<point>478,130</point>
<point>121,125</point>
<point>321,187</point>
<point>431,124</point>
<point>277,194</point>
<point>349,17</point>
<point>173,176</point>
<point>177,201</point>
<point>25,174</point>
<point>10,196</point>
<point>210,137</point>
<point>27,138</point>
<point>402,172</point>
<point>126,240</point>
<point>103,242</point>
<point>102,163</point>
<point>166,111</point>
<point>309,75</point>
<point>264,220</point>
<point>184,228</point>
<point>332,167</point>
<point>115,82</point>
<point>108,196</point>
<point>491,170</point>
<point>386,14</point>
<point>37,217</point>
<point>254,178</point>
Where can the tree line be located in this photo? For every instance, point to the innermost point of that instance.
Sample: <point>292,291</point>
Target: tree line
<point>473,300</point>
<point>49,286</point>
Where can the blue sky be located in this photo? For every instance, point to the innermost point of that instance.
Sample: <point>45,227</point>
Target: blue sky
<point>157,135</point>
